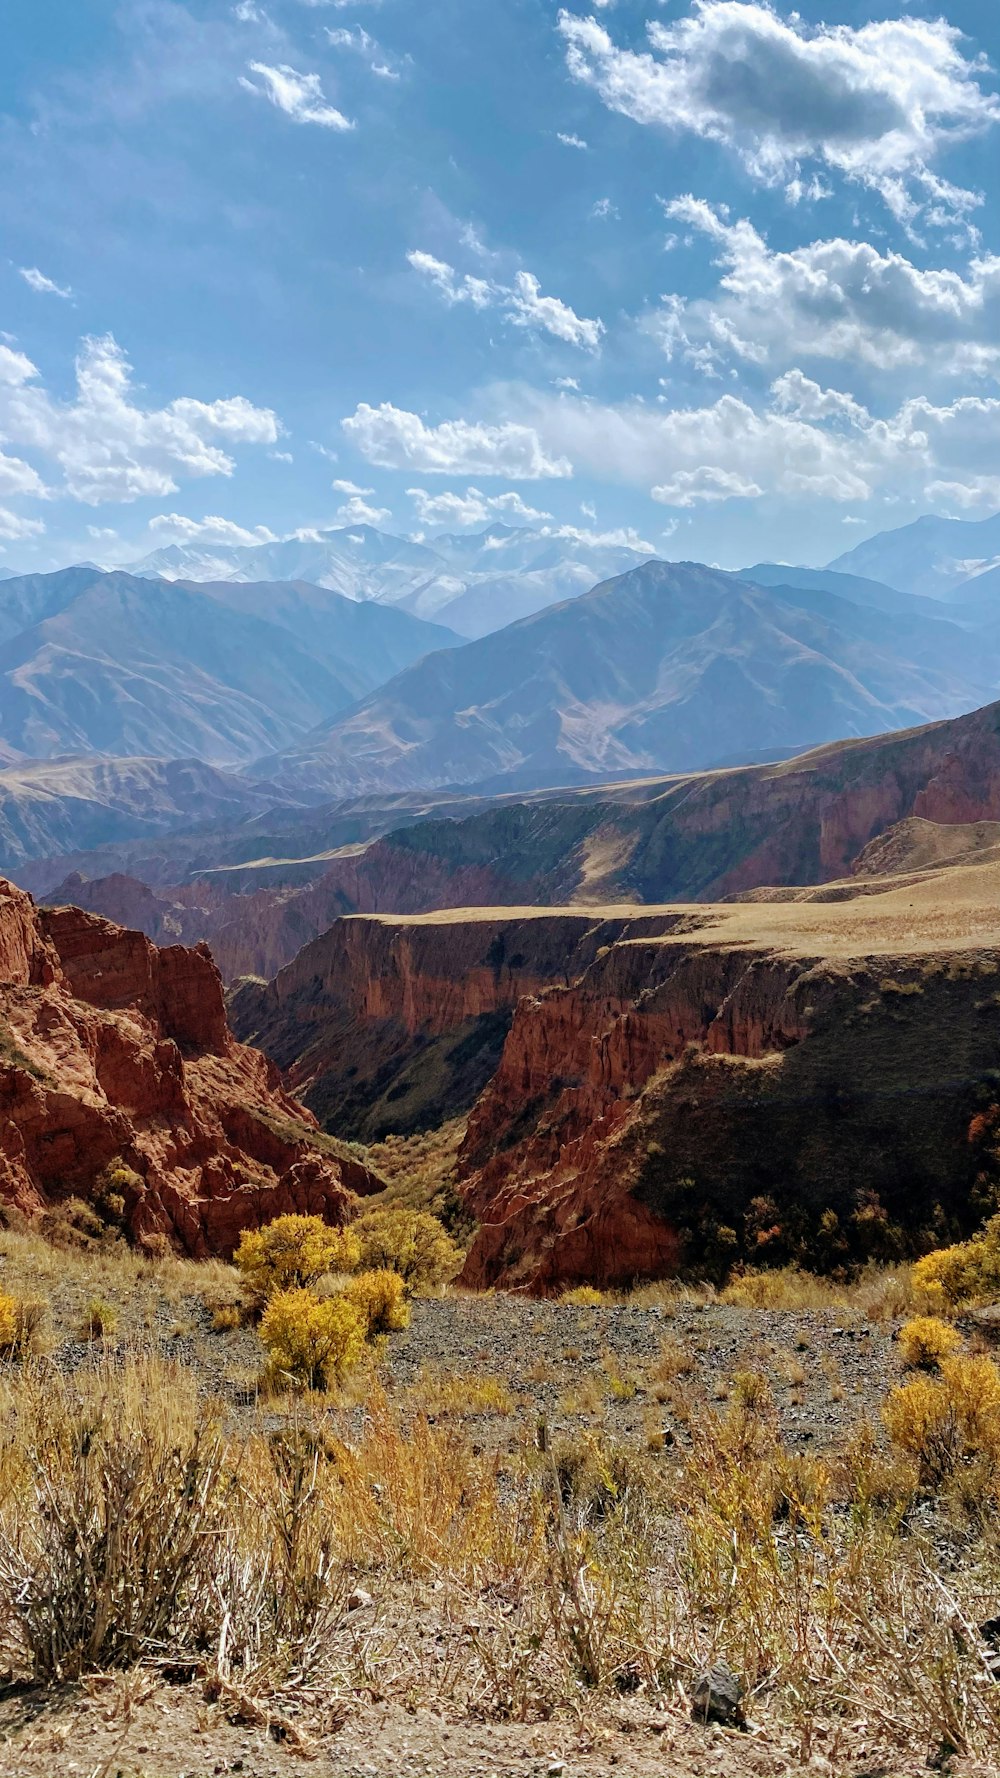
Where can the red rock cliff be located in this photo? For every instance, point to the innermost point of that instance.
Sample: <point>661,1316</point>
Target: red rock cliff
<point>110,1048</point>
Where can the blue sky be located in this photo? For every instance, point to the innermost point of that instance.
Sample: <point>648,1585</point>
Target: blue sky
<point>721,277</point>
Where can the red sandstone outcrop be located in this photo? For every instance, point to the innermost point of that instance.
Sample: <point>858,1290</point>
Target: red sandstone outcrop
<point>111,1049</point>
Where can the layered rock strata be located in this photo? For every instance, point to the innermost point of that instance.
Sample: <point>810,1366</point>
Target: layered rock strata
<point>114,1053</point>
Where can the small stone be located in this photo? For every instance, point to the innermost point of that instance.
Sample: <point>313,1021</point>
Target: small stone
<point>359,1599</point>
<point>717,1696</point>
<point>555,1768</point>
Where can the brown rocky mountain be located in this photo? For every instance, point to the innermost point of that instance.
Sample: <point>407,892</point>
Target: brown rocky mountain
<point>669,667</point>
<point>700,836</point>
<point>116,1054</point>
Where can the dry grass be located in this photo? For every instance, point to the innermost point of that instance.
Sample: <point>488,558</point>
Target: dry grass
<point>133,1528</point>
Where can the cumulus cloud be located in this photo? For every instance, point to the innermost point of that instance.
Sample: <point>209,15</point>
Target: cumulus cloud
<point>299,96</point>
<point>174,527</point>
<point>833,299</point>
<point>472,508</point>
<point>876,103</point>
<point>449,284</point>
<point>624,537</point>
<point>357,511</point>
<point>37,281</point>
<point>569,140</point>
<point>521,303</point>
<point>14,528</point>
<point>702,486</point>
<point>108,447</point>
<point>802,442</point>
<point>391,438</point>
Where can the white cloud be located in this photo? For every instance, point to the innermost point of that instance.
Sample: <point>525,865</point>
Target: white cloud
<point>356,511</point>
<point>358,39</point>
<point>15,368</point>
<point>106,446</point>
<point>299,96</point>
<point>472,508</point>
<point>695,487</point>
<point>452,287</point>
<point>529,308</point>
<point>604,210</point>
<point>37,280</point>
<point>875,103</point>
<point>345,487</point>
<point>521,303</point>
<point>833,299</point>
<point>567,383</point>
<point>391,438</point>
<point>802,443</point>
<point>625,537</point>
<point>14,528</point>
<point>173,527</point>
<point>568,140</point>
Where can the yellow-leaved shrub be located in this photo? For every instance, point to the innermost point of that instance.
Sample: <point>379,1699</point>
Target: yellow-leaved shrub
<point>411,1242</point>
<point>948,1420</point>
<point>925,1341</point>
<point>584,1296</point>
<point>9,1322</point>
<point>291,1252</point>
<point>969,1272</point>
<point>380,1297</point>
<point>310,1342</point>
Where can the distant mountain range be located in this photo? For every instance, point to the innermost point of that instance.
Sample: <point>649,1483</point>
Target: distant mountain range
<point>48,808</point>
<point>109,663</point>
<point>669,667</point>
<point>474,582</point>
<point>938,557</point>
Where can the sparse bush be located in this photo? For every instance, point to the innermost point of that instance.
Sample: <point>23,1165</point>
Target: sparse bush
<point>22,1325</point>
<point>585,1296</point>
<point>969,1272</point>
<point>784,1288</point>
<point>410,1242</point>
<point>291,1252</point>
<point>100,1321</point>
<point>380,1297</point>
<point>311,1343</point>
<point>226,1318</point>
<point>946,1421</point>
<point>925,1340</point>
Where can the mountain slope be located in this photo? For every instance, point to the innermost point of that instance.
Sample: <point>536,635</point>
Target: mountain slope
<point>473,581</point>
<point>873,594</point>
<point>670,667</point>
<point>113,664</point>
<point>931,556</point>
<point>48,808</point>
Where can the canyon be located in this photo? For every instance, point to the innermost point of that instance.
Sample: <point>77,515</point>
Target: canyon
<point>823,815</point>
<point>650,1090</point>
<point>121,1083</point>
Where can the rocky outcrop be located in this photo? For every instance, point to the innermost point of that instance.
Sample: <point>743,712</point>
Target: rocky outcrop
<point>114,1051</point>
<point>693,1103</point>
<point>391,1024</point>
<point>650,1092</point>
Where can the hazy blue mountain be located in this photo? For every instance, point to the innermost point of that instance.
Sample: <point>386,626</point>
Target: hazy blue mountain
<point>472,581</point>
<point>114,664</point>
<point>668,667</point>
<point>932,556</point>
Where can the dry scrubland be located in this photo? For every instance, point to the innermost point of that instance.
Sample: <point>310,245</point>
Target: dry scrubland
<point>512,1534</point>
